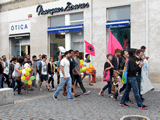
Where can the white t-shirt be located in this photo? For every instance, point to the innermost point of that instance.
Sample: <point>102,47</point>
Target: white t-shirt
<point>66,67</point>
<point>44,68</point>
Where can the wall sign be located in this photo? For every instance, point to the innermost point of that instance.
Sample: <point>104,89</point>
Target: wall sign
<point>19,27</point>
<point>69,7</point>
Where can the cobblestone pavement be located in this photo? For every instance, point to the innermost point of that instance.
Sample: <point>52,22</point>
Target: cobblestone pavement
<point>40,105</point>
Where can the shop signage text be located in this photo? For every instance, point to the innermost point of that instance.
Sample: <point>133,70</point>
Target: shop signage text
<point>69,7</point>
<point>19,27</point>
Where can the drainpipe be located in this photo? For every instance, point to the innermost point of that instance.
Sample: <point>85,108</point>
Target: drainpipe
<point>147,28</point>
<point>91,25</point>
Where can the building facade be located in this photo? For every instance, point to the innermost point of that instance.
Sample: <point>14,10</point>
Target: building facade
<point>36,27</point>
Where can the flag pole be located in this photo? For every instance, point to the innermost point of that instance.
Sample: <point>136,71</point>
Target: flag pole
<point>104,55</point>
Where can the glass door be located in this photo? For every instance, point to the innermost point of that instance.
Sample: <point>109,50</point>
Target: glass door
<point>25,50</point>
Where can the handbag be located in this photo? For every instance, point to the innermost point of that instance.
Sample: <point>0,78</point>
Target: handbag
<point>106,75</point>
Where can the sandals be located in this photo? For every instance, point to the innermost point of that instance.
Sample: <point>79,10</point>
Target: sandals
<point>76,95</point>
<point>90,84</point>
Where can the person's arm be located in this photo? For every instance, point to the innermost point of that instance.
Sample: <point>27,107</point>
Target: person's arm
<point>40,68</point>
<point>10,70</point>
<point>77,71</point>
<point>49,68</point>
<point>63,72</point>
<point>145,58</point>
<point>106,66</point>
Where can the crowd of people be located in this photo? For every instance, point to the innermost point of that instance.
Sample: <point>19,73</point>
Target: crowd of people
<point>67,69</point>
<point>131,59</point>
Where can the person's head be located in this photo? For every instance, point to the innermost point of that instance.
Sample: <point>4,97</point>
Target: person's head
<point>118,52</point>
<point>51,59</point>
<point>34,58</point>
<point>62,56</point>
<point>22,57</point>
<point>25,59</point>
<point>20,61</point>
<point>109,57</point>
<point>0,59</point>
<point>40,57</point>
<point>67,54</point>
<point>13,56</point>
<point>139,53</point>
<point>28,57</point>
<point>87,56</point>
<point>125,54</point>
<point>132,52</point>
<point>4,59</point>
<point>76,52</point>
<point>71,53</point>
<point>4,56</point>
<point>14,60</point>
<point>44,57</point>
<point>143,48</point>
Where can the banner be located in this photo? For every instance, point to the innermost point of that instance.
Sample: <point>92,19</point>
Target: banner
<point>89,48</point>
<point>146,84</point>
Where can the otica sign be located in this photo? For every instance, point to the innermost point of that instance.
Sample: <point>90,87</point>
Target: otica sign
<point>19,27</point>
<point>68,7</point>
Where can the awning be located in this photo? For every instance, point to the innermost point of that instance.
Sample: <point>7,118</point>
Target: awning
<point>19,36</point>
<point>118,23</point>
<point>68,28</point>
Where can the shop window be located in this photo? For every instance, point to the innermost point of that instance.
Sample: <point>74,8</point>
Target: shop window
<point>76,16</point>
<point>118,13</point>
<point>56,40</point>
<point>57,21</point>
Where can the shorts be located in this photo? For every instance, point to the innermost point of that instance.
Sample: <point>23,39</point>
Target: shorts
<point>44,77</point>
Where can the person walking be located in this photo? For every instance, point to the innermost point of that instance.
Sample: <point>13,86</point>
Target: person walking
<point>51,70</point>
<point>132,67</point>
<point>17,75</point>
<point>65,77</point>
<point>11,70</point>
<point>34,68</point>
<point>1,72</point>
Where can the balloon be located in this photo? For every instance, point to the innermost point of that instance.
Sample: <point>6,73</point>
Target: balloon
<point>81,62</point>
<point>80,70</point>
<point>29,69</point>
<point>27,74</point>
<point>92,68</point>
<point>23,71</point>
<point>80,66</point>
<point>87,69</point>
<point>84,63</point>
<point>23,78</point>
<point>26,70</point>
<point>84,69</point>
<point>32,78</point>
<point>26,65</point>
<point>30,82</point>
<point>25,81</point>
<point>27,78</point>
<point>20,71</point>
<point>82,74</point>
<point>88,65</point>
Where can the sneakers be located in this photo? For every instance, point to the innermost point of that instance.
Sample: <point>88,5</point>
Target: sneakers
<point>87,92</point>
<point>50,90</point>
<point>71,99</point>
<point>101,93</point>
<point>124,105</point>
<point>55,97</point>
<point>40,89</point>
<point>110,95</point>
<point>143,108</point>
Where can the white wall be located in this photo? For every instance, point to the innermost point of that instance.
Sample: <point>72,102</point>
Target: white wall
<point>5,1</point>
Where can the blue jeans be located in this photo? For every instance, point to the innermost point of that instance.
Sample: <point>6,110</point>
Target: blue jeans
<point>0,80</point>
<point>34,74</point>
<point>62,83</point>
<point>19,85</point>
<point>132,83</point>
<point>13,82</point>
<point>109,86</point>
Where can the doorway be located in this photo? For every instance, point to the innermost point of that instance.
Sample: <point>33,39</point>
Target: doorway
<point>25,50</point>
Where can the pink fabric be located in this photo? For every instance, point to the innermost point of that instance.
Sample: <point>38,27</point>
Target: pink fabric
<point>106,75</point>
<point>89,48</point>
<point>113,44</point>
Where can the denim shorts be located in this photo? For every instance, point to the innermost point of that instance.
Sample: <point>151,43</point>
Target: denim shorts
<point>44,77</point>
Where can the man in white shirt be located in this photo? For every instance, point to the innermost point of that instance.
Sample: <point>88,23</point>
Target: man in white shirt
<point>64,77</point>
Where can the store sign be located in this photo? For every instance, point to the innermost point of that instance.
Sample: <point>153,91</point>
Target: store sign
<point>69,7</point>
<point>19,27</point>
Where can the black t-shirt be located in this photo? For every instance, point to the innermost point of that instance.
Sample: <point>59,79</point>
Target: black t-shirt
<point>106,65</point>
<point>139,69</point>
<point>1,69</point>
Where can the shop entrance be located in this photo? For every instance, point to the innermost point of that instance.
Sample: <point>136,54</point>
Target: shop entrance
<point>56,40</point>
<point>25,50</point>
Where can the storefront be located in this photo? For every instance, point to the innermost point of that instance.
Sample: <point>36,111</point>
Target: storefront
<point>19,36</point>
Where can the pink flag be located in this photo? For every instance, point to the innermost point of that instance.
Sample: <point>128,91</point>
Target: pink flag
<point>89,48</point>
<point>113,44</point>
